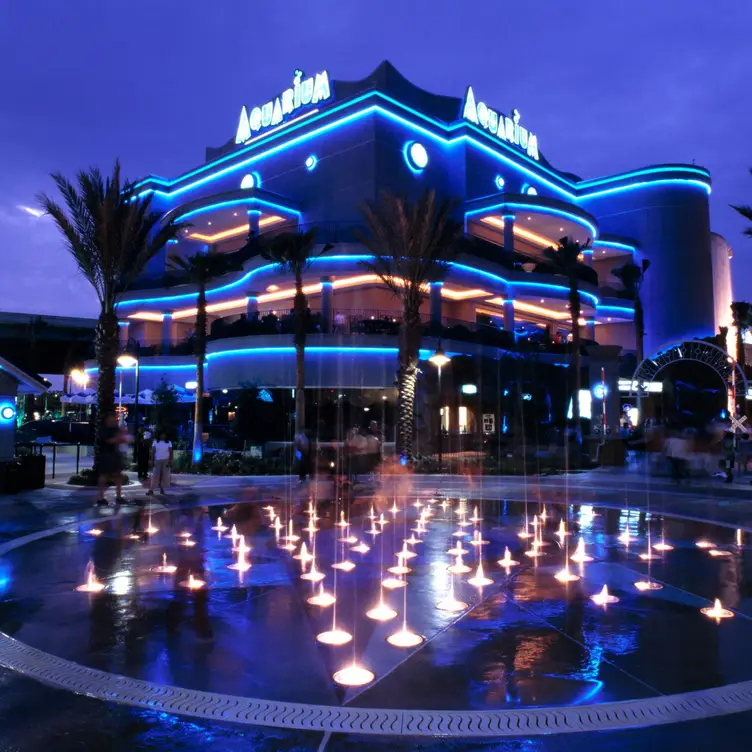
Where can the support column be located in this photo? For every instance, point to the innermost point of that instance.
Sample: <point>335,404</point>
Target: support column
<point>253,223</point>
<point>508,231</point>
<point>327,300</point>
<point>509,310</point>
<point>124,329</point>
<point>166,332</point>
<point>251,305</point>
<point>436,302</point>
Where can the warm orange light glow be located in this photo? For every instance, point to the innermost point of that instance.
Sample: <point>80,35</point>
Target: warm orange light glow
<point>234,231</point>
<point>521,232</point>
<point>462,294</point>
<point>530,308</point>
<point>146,316</point>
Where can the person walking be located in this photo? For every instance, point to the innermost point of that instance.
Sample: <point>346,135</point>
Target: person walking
<point>162,453</point>
<point>111,459</point>
<point>143,452</point>
<point>303,454</point>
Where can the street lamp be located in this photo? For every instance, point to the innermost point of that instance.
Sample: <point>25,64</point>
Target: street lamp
<point>440,359</point>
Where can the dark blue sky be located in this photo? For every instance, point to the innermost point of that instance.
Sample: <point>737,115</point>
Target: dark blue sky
<point>607,86</point>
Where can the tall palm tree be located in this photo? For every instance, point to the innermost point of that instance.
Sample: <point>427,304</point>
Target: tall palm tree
<point>741,312</point>
<point>199,269</point>
<point>746,212</point>
<point>565,259</point>
<point>632,276</point>
<point>111,235</point>
<point>412,245</point>
<point>293,252</point>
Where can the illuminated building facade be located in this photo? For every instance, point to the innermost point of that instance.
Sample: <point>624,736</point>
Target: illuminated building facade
<point>311,155</point>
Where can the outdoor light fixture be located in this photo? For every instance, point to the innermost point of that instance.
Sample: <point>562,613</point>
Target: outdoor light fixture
<point>469,389</point>
<point>251,180</point>
<point>7,412</point>
<point>416,156</point>
<point>311,162</point>
<point>439,358</point>
<point>79,377</point>
<point>531,191</point>
<point>499,182</point>
<point>126,361</point>
<point>191,384</point>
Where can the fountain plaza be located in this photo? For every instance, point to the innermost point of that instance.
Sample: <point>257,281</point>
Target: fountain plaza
<point>424,610</point>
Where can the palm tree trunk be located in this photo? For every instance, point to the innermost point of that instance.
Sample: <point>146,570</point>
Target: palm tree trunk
<point>407,379</point>
<point>299,321</point>
<point>106,346</point>
<point>740,354</point>
<point>574,309</point>
<point>639,322</point>
<point>200,350</point>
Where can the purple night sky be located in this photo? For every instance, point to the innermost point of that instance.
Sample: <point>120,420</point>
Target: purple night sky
<point>607,86</point>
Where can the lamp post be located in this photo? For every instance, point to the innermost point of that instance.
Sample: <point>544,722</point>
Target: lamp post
<point>439,359</point>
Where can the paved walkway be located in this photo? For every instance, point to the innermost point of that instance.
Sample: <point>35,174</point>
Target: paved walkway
<point>70,722</point>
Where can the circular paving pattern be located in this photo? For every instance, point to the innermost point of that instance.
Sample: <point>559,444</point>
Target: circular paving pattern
<point>347,718</point>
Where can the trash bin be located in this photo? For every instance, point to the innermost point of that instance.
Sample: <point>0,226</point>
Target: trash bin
<point>10,476</point>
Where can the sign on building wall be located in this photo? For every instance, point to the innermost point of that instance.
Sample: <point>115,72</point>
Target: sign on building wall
<point>489,423</point>
<point>304,92</point>
<point>503,127</point>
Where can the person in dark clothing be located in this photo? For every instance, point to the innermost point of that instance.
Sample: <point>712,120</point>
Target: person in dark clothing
<point>143,452</point>
<point>110,459</point>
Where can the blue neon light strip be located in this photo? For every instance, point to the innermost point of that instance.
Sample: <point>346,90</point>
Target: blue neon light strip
<point>353,258</point>
<point>236,202</point>
<point>537,209</point>
<point>514,163</point>
<point>612,244</point>
<point>616,308</point>
<point>647,184</point>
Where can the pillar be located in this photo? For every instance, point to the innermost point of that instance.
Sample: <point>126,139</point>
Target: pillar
<point>509,310</point>
<point>166,332</point>
<point>124,332</point>
<point>327,300</point>
<point>508,231</point>
<point>251,305</point>
<point>253,222</point>
<point>435,302</point>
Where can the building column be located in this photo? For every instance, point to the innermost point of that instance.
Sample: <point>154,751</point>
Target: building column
<point>124,329</point>
<point>508,231</point>
<point>166,332</point>
<point>327,300</point>
<point>435,302</point>
<point>251,305</point>
<point>509,310</point>
<point>253,222</point>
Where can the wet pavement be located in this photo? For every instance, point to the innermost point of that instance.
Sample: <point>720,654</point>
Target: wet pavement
<point>528,640</point>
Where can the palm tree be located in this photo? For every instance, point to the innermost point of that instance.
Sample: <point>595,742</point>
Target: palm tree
<point>293,252</point>
<point>199,269</point>
<point>632,276</point>
<point>565,259</point>
<point>746,212</point>
<point>111,235</point>
<point>741,312</point>
<point>412,245</point>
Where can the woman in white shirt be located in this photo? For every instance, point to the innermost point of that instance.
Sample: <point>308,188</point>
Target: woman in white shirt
<point>162,454</point>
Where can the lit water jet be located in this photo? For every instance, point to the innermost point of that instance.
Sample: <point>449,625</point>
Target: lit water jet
<point>382,520</point>
<point>477,539</point>
<point>345,565</point>
<point>92,584</point>
<point>739,537</point>
<point>353,676</point>
<point>459,567</point>
<point>451,604</point>
<point>322,598</point>
<point>507,561</point>
<point>643,585</point>
<point>394,509</point>
<point>150,529</point>
<point>240,545</point>
<point>704,543</point>
<point>543,514</point>
<point>185,534</point>
<point>649,556</point>
<point>242,564</point>
<point>719,553</point>
<point>303,556</point>
<point>406,553</point>
<point>291,537</point>
<point>564,575</point>
<point>626,537</point>
<point>187,543</point>
<point>604,598</point>
<point>479,579</point>
<point>400,567</point>
<point>412,540</point>
<point>663,546</point>
<point>372,515</point>
<point>269,509</point>
<point>289,546</point>
<point>475,518</point>
<point>458,550</point>
<point>334,636</point>
<point>460,533</point>
<point>562,533</point>
<point>277,525</point>
<point>717,611</point>
<point>192,583</point>
<point>405,638</point>
<point>220,526</point>
<point>95,531</point>
<point>313,575</point>
<point>310,528</point>
<point>165,568</point>
<point>579,556</point>
<point>342,521</point>
<point>393,583</point>
<point>381,612</point>
<point>361,548</point>
<point>349,539</point>
<point>373,531</point>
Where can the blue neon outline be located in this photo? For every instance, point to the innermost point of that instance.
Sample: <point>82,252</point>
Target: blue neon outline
<point>540,209</point>
<point>352,258</point>
<point>616,308</point>
<point>579,186</point>
<point>614,244</point>
<point>235,202</point>
<point>646,184</point>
